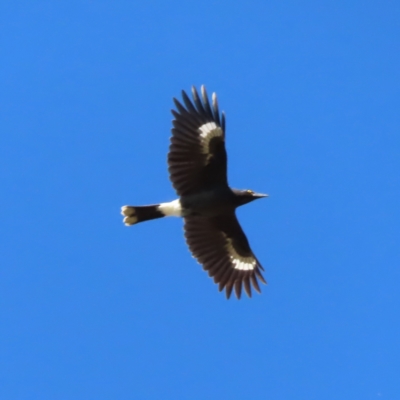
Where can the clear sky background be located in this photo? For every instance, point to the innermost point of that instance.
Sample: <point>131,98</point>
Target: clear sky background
<point>91,309</point>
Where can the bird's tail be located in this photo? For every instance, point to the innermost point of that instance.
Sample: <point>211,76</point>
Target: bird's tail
<point>134,215</point>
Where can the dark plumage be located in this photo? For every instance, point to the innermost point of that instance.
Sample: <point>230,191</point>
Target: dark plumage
<point>197,164</point>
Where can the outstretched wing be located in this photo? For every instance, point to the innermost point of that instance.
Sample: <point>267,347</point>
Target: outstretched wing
<point>197,156</point>
<point>221,246</point>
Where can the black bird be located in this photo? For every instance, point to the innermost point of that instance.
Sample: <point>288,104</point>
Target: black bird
<point>197,164</point>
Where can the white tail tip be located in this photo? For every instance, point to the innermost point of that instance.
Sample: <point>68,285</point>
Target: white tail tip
<point>130,215</point>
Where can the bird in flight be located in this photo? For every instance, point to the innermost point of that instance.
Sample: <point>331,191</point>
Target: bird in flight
<point>197,164</point>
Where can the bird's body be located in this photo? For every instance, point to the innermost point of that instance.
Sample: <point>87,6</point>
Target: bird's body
<point>198,170</point>
<point>208,203</point>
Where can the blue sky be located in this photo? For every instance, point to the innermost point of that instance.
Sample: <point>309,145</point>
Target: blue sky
<point>91,309</point>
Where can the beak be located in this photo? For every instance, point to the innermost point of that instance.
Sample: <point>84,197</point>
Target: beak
<point>260,195</point>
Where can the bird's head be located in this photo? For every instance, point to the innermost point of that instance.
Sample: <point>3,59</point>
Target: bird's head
<point>246,196</point>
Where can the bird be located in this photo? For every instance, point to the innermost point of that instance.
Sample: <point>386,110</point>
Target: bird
<point>197,165</point>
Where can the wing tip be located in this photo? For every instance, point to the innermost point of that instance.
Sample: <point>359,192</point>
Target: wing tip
<point>246,282</point>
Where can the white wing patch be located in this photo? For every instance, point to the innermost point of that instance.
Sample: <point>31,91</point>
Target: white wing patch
<point>207,132</point>
<point>240,262</point>
<point>173,208</point>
